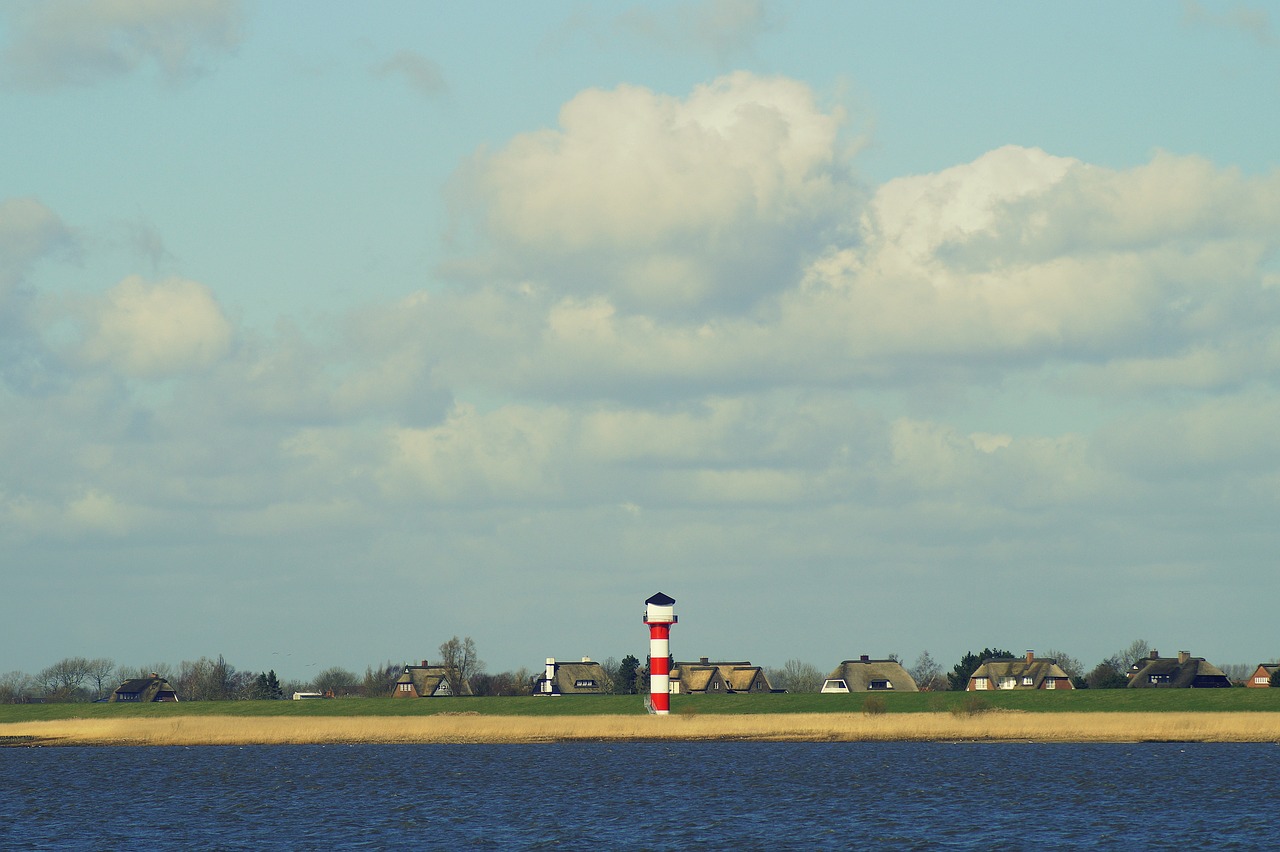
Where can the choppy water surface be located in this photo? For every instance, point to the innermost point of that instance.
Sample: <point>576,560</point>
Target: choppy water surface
<point>641,796</point>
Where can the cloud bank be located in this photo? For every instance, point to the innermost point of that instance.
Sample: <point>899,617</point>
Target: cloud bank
<point>685,334</point>
<point>57,43</point>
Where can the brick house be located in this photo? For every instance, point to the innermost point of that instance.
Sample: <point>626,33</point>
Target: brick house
<point>1261,676</point>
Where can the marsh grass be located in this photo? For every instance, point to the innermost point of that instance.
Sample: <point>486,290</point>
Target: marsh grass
<point>994,725</point>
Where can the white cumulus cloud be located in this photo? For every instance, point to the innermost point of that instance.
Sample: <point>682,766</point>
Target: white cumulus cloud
<point>150,330</point>
<point>666,203</point>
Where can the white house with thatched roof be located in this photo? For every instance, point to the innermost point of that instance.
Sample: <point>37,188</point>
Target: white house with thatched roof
<point>427,681</point>
<point>1026,672</point>
<point>867,675</point>
<point>706,677</point>
<point>585,677</point>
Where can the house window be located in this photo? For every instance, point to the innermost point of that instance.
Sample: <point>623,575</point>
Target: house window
<point>880,684</point>
<point>980,683</point>
<point>1159,678</point>
<point>404,687</point>
<point>1008,682</point>
<point>1051,683</point>
<point>584,684</point>
<point>1028,681</point>
<point>715,685</point>
<point>1262,680</point>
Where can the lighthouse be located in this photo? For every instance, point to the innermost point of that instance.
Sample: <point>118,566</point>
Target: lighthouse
<point>659,614</point>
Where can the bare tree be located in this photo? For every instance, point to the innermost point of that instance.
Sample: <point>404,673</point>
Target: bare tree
<point>1069,664</point>
<point>337,680</point>
<point>459,658</point>
<point>99,673</point>
<point>379,682</point>
<point>17,688</point>
<point>1238,672</point>
<point>1137,650</point>
<point>927,674</point>
<point>796,676</point>
<point>163,670</point>
<point>62,680</point>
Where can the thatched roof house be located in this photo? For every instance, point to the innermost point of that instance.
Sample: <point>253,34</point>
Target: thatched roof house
<point>1262,675</point>
<point>867,675</point>
<point>427,681</point>
<point>1027,672</point>
<point>1181,672</point>
<point>718,678</point>
<point>140,690</point>
<point>585,677</point>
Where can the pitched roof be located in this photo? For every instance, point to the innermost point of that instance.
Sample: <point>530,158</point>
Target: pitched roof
<point>661,600</point>
<point>1039,669</point>
<point>146,689</point>
<point>430,681</point>
<point>738,676</point>
<point>694,677</point>
<point>741,678</point>
<point>568,676</point>
<point>859,674</point>
<point>1181,672</point>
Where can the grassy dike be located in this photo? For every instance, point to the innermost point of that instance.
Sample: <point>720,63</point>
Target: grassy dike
<point>1225,715</point>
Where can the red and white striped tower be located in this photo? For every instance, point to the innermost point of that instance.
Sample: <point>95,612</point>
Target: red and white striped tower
<point>659,614</point>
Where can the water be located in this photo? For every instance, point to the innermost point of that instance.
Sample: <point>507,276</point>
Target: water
<point>641,796</point>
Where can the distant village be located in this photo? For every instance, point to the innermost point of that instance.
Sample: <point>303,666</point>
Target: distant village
<point>459,672</point>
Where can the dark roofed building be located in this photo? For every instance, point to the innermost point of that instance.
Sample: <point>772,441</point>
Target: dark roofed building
<point>1181,672</point>
<point>585,677</point>
<point>426,681</point>
<point>141,690</point>
<point>1027,672</point>
<point>867,675</point>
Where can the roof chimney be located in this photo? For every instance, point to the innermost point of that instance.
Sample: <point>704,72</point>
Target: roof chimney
<point>155,675</point>
<point>424,664</point>
<point>1183,656</point>
<point>1031,655</point>
<point>865,658</point>
<point>1155,655</point>
<point>706,661</point>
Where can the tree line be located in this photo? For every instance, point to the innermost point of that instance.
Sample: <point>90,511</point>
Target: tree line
<point>207,679</point>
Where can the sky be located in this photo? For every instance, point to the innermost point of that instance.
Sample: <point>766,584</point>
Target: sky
<point>329,332</point>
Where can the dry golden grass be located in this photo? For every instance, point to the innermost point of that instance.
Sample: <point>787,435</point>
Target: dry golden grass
<point>814,727</point>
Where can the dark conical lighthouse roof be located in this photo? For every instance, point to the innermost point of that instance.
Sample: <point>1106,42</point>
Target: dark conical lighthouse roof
<point>661,600</point>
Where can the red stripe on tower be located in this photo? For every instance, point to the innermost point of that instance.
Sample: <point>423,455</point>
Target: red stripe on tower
<point>659,614</point>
